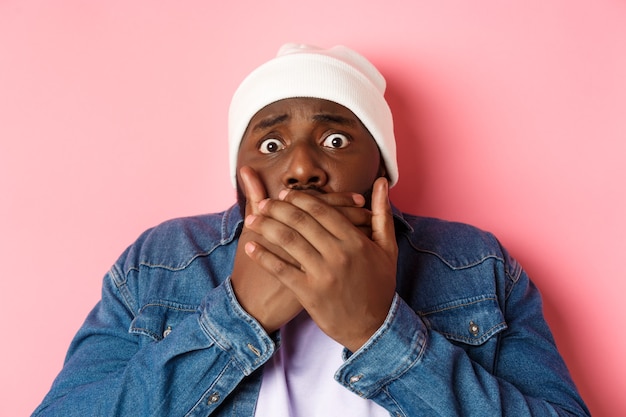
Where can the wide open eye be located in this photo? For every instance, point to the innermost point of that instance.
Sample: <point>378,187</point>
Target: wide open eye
<point>271,145</point>
<point>336,141</point>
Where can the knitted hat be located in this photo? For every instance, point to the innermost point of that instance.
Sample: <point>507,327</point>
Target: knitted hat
<point>337,74</point>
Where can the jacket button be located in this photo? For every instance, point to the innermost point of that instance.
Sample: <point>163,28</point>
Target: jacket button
<point>167,331</point>
<point>356,378</point>
<point>213,398</point>
<point>473,328</point>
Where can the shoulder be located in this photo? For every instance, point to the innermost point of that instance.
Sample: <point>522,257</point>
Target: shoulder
<point>176,242</point>
<point>459,245</point>
<point>444,263</point>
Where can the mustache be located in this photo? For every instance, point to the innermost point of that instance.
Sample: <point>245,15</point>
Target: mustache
<point>308,188</point>
<point>241,197</point>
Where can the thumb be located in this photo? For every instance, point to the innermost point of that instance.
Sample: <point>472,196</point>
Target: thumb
<point>383,232</point>
<point>253,189</point>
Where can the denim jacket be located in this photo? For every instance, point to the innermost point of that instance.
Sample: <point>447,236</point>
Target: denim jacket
<point>465,334</point>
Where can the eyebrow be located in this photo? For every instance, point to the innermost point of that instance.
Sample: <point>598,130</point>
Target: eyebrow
<point>334,118</point>
<point>272,121</point>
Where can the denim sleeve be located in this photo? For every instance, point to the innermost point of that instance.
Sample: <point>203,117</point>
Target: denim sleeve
<point>190,372</point>
<point>412,370</point>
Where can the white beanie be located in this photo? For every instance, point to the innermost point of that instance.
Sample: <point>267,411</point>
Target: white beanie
<point>338,74</point>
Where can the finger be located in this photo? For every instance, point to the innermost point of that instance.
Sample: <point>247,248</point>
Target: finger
<point>288,238</point>
<point>359,217</point>
<point>343,199</point>
<point>366,230</point>
<point>329,218</point>
<point>277,267</point>
<point>253,189</point>
<point>291,277</point>
<point>383,232</point>
<point>351,205</point>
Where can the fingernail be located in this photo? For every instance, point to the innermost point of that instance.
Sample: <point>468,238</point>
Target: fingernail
<point>262,203</point>
<point>283,194</point>
<point>249,247</point>
<point>358,199</point>
<point>250,219</point>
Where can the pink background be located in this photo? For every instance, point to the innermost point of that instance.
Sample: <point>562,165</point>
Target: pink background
<point>510,116</point>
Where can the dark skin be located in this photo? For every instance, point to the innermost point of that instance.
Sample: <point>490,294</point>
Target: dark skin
<point>305,166</point>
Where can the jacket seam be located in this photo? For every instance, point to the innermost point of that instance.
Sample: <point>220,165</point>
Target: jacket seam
<point>121,285</point>
<point>447,263</point>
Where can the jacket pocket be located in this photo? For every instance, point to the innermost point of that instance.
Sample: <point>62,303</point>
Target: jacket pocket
<point>472,321</point>
<point>157,319</point>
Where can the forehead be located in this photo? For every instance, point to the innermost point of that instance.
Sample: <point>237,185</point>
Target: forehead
<point>310,108</point>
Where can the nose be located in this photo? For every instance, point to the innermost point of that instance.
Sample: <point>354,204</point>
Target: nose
<point>304,168</point>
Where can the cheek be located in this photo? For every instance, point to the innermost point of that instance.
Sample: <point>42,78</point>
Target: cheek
<point>268,174</point>
<point>272,183</point>
<point>358,176</point>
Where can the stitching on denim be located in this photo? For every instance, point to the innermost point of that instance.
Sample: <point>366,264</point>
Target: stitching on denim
<point>475,300</point>
<point>392,315</point>
<point>212,332</point>
<point>238,310</point>
<point>482,339</point>
<point>147,332</point>
<point>170,305</point>
<point>215,335</point>
<point>457,336</point>
<point>419,249</point>
<point>202,400</point>
<point>399,216</point>
<point>407,364</point>
<point>394,401</point>
<point>121,284</point>
<point>173,268</point>
<point>448,264</point>
<point>378,335</point>
<point>422,341</point>
<point>118,277</point>
<point>225,239</point>
<point>513,279</point>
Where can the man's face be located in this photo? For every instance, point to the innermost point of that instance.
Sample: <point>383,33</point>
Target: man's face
<point>309,144</point>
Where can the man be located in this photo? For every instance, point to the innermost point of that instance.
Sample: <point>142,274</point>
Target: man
<point>313,296</point>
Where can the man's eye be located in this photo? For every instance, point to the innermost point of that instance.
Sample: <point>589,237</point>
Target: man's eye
<point>271,146</point>
<point>336,141</point>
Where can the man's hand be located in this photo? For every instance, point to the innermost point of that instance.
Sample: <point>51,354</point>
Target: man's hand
<point>344,279</point>
<point>259,293</point>
<point>262,296</point>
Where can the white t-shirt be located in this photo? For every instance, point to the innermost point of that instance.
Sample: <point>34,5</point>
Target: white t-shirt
<point>298,381</point>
